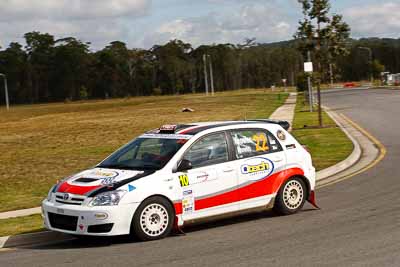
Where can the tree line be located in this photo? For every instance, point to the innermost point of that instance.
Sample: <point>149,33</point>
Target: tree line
<point>47,69</point>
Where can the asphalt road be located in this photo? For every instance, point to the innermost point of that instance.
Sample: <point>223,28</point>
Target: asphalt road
<point>359,224</point>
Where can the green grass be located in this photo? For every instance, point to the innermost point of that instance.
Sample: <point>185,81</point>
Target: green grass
<point>21,225</point>
<point>41,144</point>
<point>329,145</point>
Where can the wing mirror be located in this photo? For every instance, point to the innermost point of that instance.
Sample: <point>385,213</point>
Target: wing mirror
<point>184,165</point>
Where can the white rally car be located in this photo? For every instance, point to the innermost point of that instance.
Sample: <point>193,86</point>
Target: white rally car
<point>180,174</point>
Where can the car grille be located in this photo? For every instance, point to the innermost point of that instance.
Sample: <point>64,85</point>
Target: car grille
<point>63,222</point>
<point>74,200</point>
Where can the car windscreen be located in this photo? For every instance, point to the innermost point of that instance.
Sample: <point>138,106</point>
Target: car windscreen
<point>148,152</point>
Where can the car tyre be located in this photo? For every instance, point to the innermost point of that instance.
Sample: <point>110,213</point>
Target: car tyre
<point>291,197</point>
<point>153,219</point>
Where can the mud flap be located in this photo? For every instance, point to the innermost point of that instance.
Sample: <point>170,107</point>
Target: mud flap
<point>312,200</point>
<point>177,230</point>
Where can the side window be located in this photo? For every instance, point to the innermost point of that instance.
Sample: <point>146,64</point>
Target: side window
<point>211,149</point>
<point>254,142</point>
<point>275,146</point>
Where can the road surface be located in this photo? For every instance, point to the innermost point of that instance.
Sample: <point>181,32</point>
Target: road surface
<point>359,224</point>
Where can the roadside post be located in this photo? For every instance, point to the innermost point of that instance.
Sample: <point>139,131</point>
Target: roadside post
<point>6,90</point>
<point>308,68</point>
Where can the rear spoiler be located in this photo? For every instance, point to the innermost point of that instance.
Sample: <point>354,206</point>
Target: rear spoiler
<point>284,124</point>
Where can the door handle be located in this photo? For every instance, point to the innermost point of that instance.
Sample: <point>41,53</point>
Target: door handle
<point>277,159</point>
<point>228,170</point>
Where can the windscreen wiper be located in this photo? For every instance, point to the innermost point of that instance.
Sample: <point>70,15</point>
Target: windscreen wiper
<point>117,166</point>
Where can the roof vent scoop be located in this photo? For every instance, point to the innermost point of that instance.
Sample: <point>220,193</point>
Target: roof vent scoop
<point>284,124</point>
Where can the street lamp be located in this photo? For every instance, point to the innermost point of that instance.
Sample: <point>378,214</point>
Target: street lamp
<point>205,72</point>
<point>211,75</point>
<point>370,61</point>
<point>5,90</point>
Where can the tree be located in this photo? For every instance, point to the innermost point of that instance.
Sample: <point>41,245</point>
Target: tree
<point>40,50</point>
<point>70,69</point>
<point>323,34</point>
<point>377,68</point>
<point>13,63</point>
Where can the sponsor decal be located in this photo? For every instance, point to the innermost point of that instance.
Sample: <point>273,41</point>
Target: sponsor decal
<point>131,188</point>
<point>202,177</point>
<point>106,177</point>
<point>167,136</point>
<point>168,128</point>
<point>292,146</point>
<point>281,135</point>
<point>187,192</point>
<point>257,168</point>
<point>60,211</point>
<point>188,201</point>
<point>108,181</point>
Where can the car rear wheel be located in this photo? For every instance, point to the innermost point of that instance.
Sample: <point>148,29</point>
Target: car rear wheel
<point>291,197</point>
<point>153,219</point>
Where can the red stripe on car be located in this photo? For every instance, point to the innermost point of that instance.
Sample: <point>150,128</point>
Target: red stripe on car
<point>267,186</point>
<point>75,189</point>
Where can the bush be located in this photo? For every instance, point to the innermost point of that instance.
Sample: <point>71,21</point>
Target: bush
<point>83,93</point>
<point>301,82</point>
<point>157,91</point>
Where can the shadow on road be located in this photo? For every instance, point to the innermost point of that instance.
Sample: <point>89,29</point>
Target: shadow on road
<point>95,242</point>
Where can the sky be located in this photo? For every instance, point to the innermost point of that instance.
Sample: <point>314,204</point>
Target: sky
<point>144,23</point>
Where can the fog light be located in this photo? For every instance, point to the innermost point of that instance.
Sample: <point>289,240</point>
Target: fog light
<point>101,216</point>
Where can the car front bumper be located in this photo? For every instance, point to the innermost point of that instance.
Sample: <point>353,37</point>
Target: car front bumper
<point>87,220</point>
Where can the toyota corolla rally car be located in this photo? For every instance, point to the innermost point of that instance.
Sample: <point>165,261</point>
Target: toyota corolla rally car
<point>179,174</point>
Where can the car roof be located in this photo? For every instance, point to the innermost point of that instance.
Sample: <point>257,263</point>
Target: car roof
<point>195,128</point>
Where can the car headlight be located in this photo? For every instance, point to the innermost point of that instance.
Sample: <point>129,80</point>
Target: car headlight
<point>51,191</point>
<point>110,198</point>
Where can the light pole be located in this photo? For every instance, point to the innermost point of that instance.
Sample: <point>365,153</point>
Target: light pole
<point>205,73</point>
<point>211,75</point>
<point>370,61</point>
<point>6,90</point>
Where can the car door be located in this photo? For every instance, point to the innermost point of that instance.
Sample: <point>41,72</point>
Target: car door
<point>260,164</point>
<point>206,188</point>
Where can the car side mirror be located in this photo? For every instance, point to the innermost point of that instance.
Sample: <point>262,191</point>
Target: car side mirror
<point>184,165</point>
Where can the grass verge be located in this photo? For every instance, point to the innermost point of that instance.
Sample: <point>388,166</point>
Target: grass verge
<point>329,145</point>
<point>21,225</point>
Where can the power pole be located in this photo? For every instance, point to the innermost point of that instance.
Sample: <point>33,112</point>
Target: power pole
<point>6,90</point>
<point>205,73</point>
<point>370,62</point>
<point>211,75</point>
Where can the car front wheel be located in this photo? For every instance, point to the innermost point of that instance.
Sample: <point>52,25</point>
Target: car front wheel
<point>153,219</point>
<point>291,197</point>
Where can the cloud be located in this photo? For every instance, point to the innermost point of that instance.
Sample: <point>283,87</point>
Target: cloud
<point>262,21</point>
<point>71,9</point>
<point>380,20</point>
<point>96,21</point>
